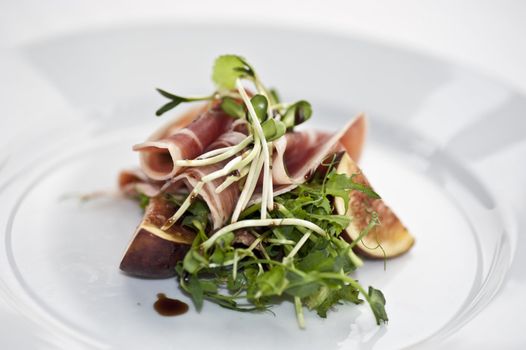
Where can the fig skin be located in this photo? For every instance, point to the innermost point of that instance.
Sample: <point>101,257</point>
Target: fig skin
<point>150,256</point>
<point>391,234</point>
<point>152,252</point>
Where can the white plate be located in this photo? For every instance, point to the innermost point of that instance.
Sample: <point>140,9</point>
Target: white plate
<point>93,93</point>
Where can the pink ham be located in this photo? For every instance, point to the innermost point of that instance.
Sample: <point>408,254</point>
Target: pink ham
<point>297,155</point>
<point>179,140</point>
<point>220,205</point>
<point>134,182</point>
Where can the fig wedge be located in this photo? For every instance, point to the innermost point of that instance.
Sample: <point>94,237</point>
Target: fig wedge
<point>152,252</point>
<point>391,234</point>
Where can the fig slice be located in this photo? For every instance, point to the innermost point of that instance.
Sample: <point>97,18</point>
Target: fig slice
<point>391,234</point>
<point>152,252</point>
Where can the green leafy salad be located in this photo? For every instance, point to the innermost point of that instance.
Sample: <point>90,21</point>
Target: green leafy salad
<point>275,245</point>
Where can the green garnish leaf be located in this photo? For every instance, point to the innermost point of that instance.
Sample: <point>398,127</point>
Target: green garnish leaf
<point>377,302</point>
<point>260,104</point>
<point>302,286</point>
<point>197,212</point>
<point>176,100</point>
<point>339,185</point>
<point>274,96</point>
<point>272,282</point>
<point>318,260</point>
<point>193,261</point>
<point>171,96</point>
<point>233,108</point>
<point>144,200</point>
<point>196,291</point>
<point>297,114</point>
<point>167,107</point>
<point>327,298</point>
<point>364,189</point>
<point>228,68</point>
<point>273,129</point>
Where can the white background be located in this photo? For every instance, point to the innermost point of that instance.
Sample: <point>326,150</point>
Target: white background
<point>487,35</point>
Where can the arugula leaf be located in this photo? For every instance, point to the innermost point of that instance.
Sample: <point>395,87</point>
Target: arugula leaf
<point>193,261</point>
<point>327,298</point>
<point>340,221</point>
<point>339,185</point>
<point>228,68</point>
<point>364,189</point>
<point>195,289</point>
<point>377,303</point>
<point>302,286</point>
<point>198,213</point>
<point>272,282</point>
<point>318,260</point>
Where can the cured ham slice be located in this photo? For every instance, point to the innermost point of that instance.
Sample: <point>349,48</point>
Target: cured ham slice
<point>353,138</point>
<point>184,138</point>
<point>220,205</point>
<point>297,155</point>
<point>152,252</point>
<point>134,182</point>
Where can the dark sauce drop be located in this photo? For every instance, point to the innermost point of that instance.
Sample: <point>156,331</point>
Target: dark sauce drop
<point>169,307</point>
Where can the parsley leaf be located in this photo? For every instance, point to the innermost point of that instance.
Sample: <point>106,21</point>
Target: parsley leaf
<point>377,302</point>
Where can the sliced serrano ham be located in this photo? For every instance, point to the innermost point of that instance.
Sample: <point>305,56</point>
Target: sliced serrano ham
<point>133,182</point>
<point>184,138</point>
<point>353,137</point>
<point>298,154</point>
<point>221,205</point>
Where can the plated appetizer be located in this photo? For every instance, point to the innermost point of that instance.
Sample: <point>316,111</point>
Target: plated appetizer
<point>247,210</point>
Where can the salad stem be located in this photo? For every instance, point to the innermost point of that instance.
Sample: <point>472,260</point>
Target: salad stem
<point>266,158</point>
<point>259,223</point>
<point>227,153</point>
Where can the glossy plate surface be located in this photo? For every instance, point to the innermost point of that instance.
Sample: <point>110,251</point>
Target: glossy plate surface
<point>92,98</point>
